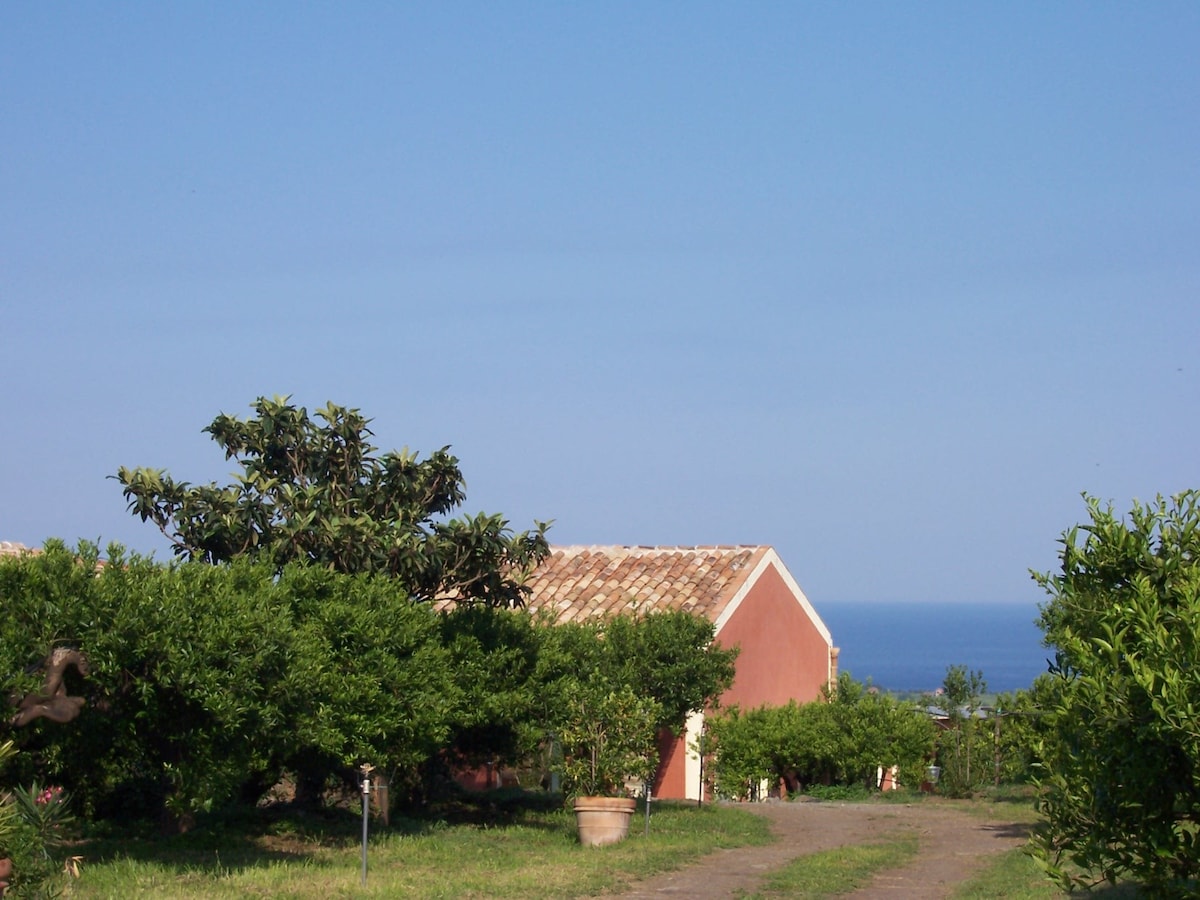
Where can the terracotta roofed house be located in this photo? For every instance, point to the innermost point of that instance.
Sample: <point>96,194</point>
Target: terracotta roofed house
<point>786,654</point>
<point>12,548</point>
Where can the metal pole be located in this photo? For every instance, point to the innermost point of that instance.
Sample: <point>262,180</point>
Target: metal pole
<point>366,787</point>
<point>996,745</point>
<point>366,797</point>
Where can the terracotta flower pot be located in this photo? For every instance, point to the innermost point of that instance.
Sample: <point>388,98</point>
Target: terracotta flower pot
<point>5,874</point>
<point>603,820</point>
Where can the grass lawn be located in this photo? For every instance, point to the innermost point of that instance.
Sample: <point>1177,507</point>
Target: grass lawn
<point>1015,876</point>
<point>504,853</point>
<point>531,854</point>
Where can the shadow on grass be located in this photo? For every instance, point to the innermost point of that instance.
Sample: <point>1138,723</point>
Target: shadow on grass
<point>1010,829</point>
<point>500,807</point>
<point>245,838</point>
<point>1111,892</point>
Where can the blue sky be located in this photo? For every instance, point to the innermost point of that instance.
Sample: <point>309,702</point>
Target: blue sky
<point>886,286</point>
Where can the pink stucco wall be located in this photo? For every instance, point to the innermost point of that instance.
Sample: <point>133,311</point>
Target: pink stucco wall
<point>783,657</point>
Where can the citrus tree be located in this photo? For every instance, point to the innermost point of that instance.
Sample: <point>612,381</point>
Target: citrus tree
<point>1121,793</point>
<point>616,685</point>
<point>206,682</point>
<point>607,738</point>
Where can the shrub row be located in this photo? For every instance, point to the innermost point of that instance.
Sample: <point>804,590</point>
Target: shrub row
<point>207,683</point>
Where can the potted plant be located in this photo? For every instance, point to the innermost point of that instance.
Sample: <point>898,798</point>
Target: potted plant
<point>607,737</point>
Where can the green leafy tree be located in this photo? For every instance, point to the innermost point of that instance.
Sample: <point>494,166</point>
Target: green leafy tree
<point>873,729</point>
<point>796,744</point>
<point>607,738</point>
<point>1019,730</point>
<point>667,661</point>
<point>206,682</point>
<point>671,658</point>
<point>738,742</point>
<point>1121,793</point>
<point>368,680</point>
<point>314,490</point>
<point>499,718</point>
<point>964,767</point>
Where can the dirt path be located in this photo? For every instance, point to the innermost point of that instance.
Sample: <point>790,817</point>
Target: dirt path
<point>953,843</point>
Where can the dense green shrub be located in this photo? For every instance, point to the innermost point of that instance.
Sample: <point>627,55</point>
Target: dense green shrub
<point>208,682</point>
<point>877,730</point>
<point>499,718</point>
<point>1022,729</point>
<point>838,792</point>
<point>207,679</point>
<point>667,657</point>
<point>841,739</point>
<point>607,738</point>
<point>763,744</point>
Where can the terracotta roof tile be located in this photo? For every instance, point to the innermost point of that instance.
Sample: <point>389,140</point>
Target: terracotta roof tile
<point>581,582</point>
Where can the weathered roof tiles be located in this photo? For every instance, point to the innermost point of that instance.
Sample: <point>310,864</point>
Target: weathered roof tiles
<point>580,582</point>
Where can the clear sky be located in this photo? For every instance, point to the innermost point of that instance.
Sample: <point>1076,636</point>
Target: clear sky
<point>886,286</point>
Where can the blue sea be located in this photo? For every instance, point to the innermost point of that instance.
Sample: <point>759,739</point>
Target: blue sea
<point>908,646</point>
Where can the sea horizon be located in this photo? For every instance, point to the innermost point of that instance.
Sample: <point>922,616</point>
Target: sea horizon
<point>907,646</point>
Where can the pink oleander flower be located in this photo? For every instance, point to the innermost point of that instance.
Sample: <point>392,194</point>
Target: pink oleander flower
<point>49,795</point>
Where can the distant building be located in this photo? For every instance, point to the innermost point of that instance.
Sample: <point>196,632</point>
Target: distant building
<point>787,653</point>
<point>12,548</point>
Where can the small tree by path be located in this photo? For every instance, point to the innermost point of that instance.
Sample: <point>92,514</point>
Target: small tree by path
<point>961,693</point>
